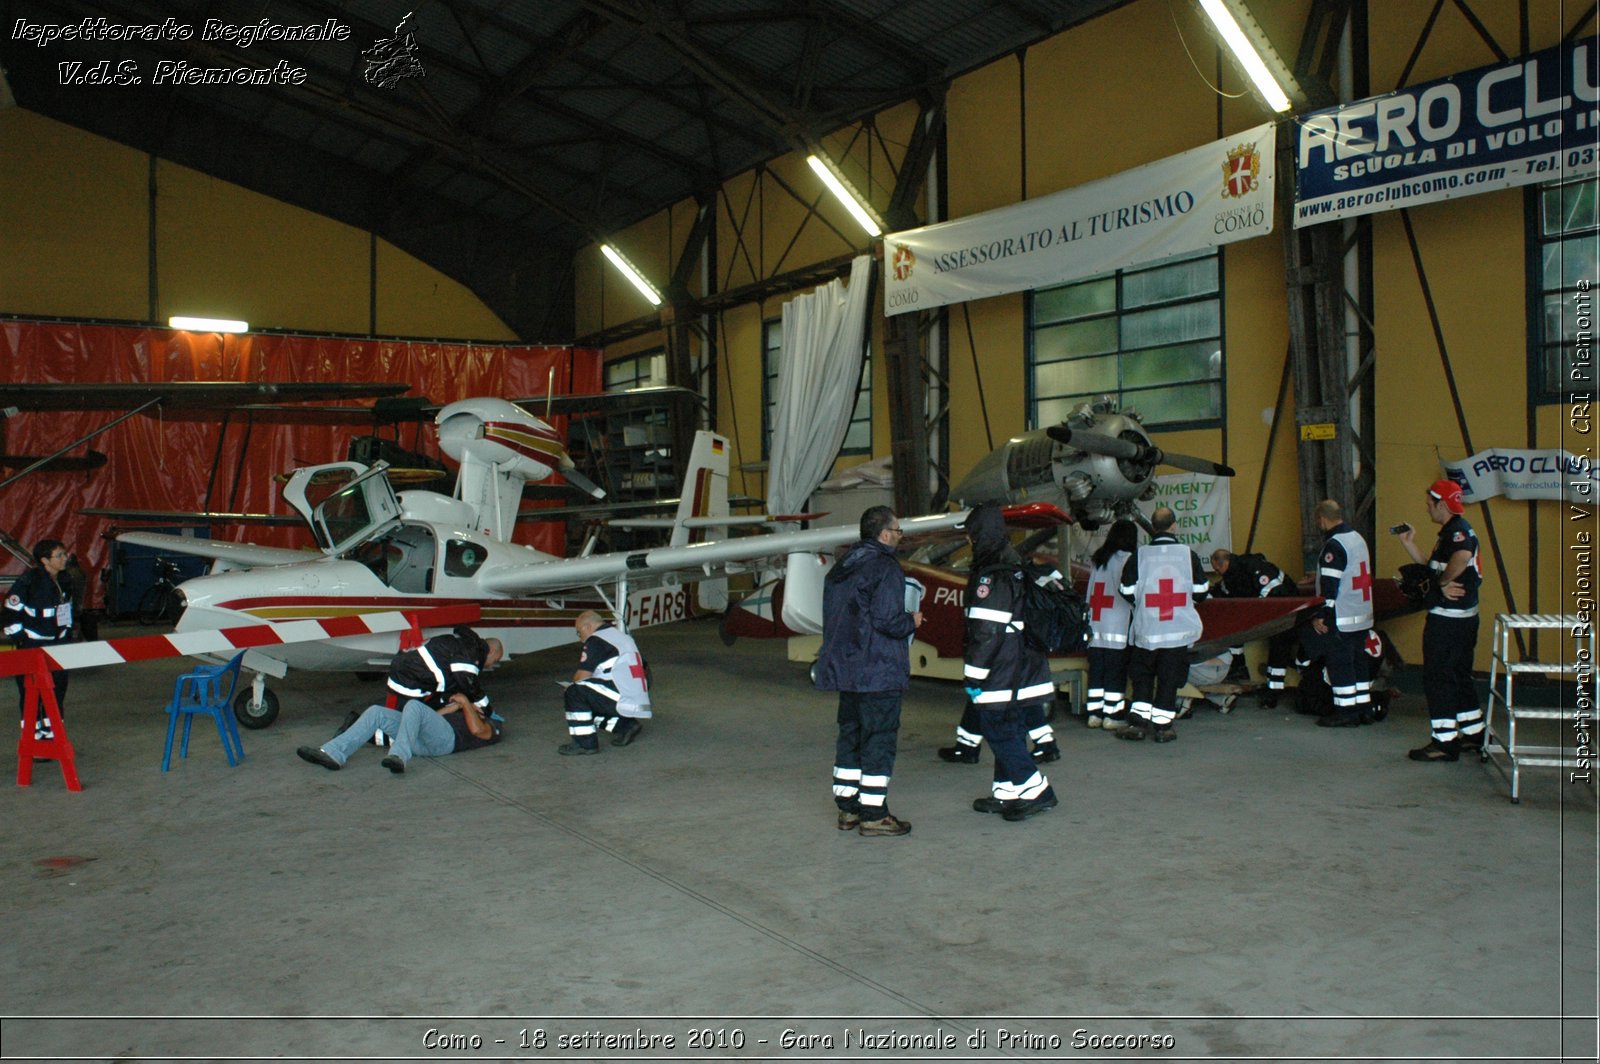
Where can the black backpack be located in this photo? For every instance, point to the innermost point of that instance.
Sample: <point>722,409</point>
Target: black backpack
<point>1054,616</point>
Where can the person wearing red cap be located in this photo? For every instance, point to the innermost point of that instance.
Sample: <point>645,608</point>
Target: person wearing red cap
<point>1451,631</point>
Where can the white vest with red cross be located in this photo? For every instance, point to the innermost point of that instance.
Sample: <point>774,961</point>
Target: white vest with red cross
<point>621,676</point>
<point>1109,612</point>
<point>1352,606</point>
<point>1163,601</point>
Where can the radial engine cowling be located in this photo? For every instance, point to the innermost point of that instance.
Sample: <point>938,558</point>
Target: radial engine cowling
<point>495,432</point>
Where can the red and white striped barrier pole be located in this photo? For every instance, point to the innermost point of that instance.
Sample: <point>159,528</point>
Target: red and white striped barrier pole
<point>229,641</point>
<point>36,664</point>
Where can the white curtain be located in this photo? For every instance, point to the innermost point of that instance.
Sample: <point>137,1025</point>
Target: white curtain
<point>819,373</point>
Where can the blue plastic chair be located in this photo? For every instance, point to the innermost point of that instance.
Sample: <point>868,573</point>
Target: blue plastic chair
<point>207,689</point>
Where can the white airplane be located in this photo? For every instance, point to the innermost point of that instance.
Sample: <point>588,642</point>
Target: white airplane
<point>383,552</point>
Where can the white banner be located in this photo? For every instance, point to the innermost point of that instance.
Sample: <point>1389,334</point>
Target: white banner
<point>1546,474</point>
<point>1203,508</point>
<point>1208,196</point>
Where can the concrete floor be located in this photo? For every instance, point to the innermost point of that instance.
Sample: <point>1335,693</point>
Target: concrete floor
<point>1261,888</point>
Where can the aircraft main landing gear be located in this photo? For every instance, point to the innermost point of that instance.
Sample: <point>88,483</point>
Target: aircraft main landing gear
<point>257,707</point>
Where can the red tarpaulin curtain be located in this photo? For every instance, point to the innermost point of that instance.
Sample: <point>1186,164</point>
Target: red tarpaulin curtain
<point>156,462</point>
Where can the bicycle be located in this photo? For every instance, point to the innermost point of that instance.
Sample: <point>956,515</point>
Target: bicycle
<point>161,603</point>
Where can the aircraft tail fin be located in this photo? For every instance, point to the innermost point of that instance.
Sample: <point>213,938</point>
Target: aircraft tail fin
<point>705,491</point>
<point>705,495</point>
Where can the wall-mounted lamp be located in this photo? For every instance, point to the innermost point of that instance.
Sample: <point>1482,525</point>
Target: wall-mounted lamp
<point>216,325</point>
<point>1250,47</point>
<point>645,288</point>
<point>840,187</point>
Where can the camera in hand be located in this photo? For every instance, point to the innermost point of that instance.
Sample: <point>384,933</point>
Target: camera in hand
<point>1395,530</point>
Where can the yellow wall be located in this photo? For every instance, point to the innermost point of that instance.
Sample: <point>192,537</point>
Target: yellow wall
<point>74,211</point>
<point>1134,86</point>
<point>1472,252</point>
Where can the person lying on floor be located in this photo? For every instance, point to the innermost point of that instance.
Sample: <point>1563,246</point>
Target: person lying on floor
<point>415,728</point>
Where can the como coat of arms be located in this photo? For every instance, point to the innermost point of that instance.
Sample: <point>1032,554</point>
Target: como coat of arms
<point>1242,171</point>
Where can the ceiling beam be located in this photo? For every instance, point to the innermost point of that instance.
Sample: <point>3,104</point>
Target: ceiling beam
<point>789,128</point>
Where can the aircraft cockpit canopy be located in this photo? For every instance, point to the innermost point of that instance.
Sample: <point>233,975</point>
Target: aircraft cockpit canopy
<point>345,503</point>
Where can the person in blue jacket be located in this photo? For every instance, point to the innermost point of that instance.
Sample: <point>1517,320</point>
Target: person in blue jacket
<point>865,656</point>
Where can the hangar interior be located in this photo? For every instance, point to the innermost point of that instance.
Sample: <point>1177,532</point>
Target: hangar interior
<point>1258,889</point>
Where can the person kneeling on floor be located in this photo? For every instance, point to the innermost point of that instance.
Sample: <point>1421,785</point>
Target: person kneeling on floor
<point>609,692</point>
<point>416,729</point>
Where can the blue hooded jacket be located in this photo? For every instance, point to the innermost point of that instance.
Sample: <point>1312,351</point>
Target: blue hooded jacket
<point>865,623</point>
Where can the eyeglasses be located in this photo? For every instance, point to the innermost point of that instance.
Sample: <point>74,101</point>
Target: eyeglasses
<point>897,529</point>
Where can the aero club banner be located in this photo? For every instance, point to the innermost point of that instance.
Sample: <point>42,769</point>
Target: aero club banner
<point>1532,119</point>
<point>1204,197</point>
<point>1526,474</point>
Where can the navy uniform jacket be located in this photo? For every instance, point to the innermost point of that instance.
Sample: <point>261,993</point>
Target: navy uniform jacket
<point>865,623</point>
<point>439,668</point>
<point>998,659</point>
<point>38,611</point>
<point>1455,535</point>
<point>1252,576</point>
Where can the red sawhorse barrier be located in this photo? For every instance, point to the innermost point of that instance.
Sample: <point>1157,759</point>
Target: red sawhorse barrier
<point>39,696</point>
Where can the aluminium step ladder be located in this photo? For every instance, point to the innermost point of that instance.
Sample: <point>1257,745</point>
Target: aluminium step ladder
<point>1514,754</point>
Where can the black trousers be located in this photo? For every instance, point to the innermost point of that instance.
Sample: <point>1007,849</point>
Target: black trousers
<point>60,680</point>
<point>1108,678</point>
<point>1156,676</point>
<point>588,711</point>
<point>1016,777</point>
<point>1447,647</point>
<point>1347,673</point>
<point>1033,716</point>
<point>863,757</point>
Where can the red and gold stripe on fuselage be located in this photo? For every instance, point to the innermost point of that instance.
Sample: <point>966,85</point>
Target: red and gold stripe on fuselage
<point>646,606</point>
<point>539,442</point>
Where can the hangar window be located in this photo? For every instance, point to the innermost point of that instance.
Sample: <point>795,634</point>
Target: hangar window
<point>857,438</point>
<point>645,370</point>
<point>1149,336</point>
<point>1566,239</point>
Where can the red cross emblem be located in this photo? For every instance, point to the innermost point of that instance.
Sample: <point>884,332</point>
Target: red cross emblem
<point>1168,598</point>
<point>636,668</point>
<point>1362,582</point>
<point>1099,600</point>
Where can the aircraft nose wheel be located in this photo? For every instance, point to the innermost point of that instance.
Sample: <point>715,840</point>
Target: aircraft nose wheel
<point>253,712</point>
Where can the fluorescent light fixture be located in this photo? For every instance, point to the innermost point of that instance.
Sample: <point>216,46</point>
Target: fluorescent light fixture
<point>216,325</point>
<point>1245,52</point>
<point>844,193</point>
<point>626,267</point>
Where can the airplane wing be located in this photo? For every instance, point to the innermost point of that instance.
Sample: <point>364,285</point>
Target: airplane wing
<point>1231,622</point>
<point>602,511</point>
<point>631,399</point>
<point>188,395</point>
<point>243,554</point>
<point>554,513</point>
<point>583,572</point>
<point>412,408</point>
<point>185,517</point>
<point>74,463</point>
